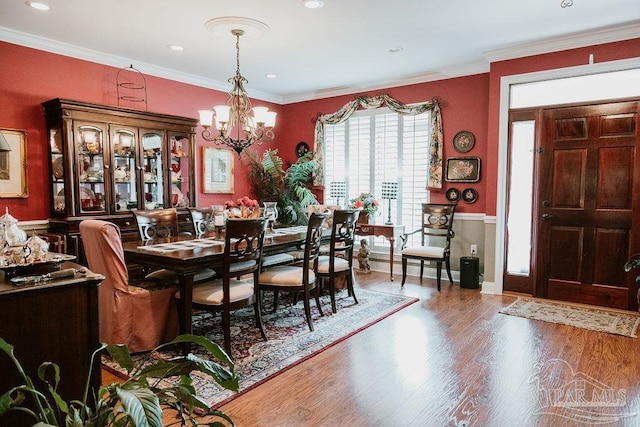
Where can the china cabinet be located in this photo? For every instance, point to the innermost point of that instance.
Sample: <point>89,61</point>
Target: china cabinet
<point>106,161</point>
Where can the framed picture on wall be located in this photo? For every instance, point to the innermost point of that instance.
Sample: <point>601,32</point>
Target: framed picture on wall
<point>462,169</point>
<point>13,165</point>
<point>217,171</point>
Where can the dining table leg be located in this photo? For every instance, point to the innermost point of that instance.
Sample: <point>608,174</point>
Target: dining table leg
<point>185,284</point>
<point>392,244</point>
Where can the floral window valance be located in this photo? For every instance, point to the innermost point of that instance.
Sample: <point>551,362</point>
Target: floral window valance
<point>436,140</point>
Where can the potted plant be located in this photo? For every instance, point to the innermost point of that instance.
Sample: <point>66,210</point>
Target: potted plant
<point>369,205</point>
<point>137,401</point>
<point>272,183</point>
<point>634,262</point>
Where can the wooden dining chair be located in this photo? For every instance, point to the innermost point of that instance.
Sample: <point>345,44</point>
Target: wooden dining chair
<point>156,223</point>
<point>299,278</point>
<point>339,261</point>
<point>436,233</point>
<point>140,314</point>
<point>162,223</point>
<point>244,240</point>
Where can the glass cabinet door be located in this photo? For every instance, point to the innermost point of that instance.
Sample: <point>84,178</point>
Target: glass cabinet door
<point>57,170</point>
<point>90,146</point>
<point>153,169</point>
<point>125,169</point>
<point>180,170</point>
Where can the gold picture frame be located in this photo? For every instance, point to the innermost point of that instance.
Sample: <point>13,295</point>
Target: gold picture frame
<point>217,170</point>
<point>13,165</point>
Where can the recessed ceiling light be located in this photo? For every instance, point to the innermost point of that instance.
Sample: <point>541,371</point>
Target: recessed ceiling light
<point>312,4</point>
<point>395,49</point>
<point>37,5</point>
<point>175,47</point>
<point>271,76</point>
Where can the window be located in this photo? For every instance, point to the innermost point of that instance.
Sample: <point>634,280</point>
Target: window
<point>378,145</point>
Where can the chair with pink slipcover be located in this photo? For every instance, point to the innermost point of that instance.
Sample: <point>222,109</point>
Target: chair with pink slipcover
<point>140,315</point>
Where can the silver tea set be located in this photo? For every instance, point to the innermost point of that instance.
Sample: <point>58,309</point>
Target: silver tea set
<point>16,248</point>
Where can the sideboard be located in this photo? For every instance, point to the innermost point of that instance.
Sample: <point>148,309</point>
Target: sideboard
<point>56,321</point>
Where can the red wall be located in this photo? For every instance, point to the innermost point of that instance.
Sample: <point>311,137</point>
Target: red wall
<point>569,58</point>
<point>464,107</point>
<point>29,77</point>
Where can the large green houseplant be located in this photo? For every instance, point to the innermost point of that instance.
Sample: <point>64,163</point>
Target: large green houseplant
<point>138,401</point>
<point>634,263</point>
<point>290,188</point>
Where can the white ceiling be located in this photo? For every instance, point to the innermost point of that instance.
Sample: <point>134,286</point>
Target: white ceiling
<point>340,48</point>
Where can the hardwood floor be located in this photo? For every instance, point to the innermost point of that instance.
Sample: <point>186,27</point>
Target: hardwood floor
<point>452,360</point>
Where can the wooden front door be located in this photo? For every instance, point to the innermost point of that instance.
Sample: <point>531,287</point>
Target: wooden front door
<point>589,183</point>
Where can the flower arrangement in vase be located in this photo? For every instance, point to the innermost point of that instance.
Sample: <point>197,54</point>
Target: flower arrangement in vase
<point>243,207</point>
<point>368,204</point>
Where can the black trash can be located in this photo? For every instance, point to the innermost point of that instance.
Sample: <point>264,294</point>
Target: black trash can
<point>469,272</point>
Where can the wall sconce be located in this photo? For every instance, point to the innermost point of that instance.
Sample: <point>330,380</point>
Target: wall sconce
<point>389,192</point>
<point>338,190</point>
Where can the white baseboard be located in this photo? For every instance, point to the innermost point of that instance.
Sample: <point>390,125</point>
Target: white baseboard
<point>429,272</point>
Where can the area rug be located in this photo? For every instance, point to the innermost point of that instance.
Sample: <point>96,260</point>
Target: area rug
<point>595,319</point>
<point>290,341</point>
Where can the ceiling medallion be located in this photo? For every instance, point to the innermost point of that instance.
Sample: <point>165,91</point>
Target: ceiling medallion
<point>224,25</point>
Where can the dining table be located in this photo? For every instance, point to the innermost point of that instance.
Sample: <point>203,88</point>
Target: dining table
<point>186,255</point>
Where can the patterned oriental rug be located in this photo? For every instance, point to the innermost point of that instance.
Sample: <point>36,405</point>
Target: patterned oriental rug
<point>290,341</point>
<point>596,319</point>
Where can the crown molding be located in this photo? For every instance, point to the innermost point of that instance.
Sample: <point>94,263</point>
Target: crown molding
<point>627,31</point>
<point>446,73</point>
<point>612,34</point>
<point>73,51</point>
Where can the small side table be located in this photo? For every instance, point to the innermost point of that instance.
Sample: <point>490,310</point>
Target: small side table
<point>389,232</point>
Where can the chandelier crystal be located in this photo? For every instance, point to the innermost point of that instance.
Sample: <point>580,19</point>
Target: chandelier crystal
<point>234,123</point>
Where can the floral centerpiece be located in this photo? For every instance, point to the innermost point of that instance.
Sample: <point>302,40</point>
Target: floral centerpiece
<point>243,207</point>
<point>366,202</point>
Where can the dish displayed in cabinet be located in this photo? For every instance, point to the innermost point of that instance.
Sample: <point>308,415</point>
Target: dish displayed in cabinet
<point>178,199</point>
<point>175,166</point>
<point>58,168</point>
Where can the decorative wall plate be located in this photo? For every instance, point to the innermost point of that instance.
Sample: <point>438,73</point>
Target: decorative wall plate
<point>469,195</point>
<point>464,141</point>
<point>453,194</point>
<point>302,148</point>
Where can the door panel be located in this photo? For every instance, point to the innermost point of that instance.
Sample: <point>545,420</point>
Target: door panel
<point>588,176</point>
<point>569,182</point>
<point>566,254</point>
<point>614,183</point>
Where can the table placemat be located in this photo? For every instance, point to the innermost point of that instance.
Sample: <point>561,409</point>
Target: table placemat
<point>182,245</point>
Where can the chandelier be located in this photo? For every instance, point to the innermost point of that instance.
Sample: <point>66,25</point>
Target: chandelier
<point>236,127</point>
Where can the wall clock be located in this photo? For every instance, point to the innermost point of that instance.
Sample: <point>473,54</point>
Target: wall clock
<point>464,141</point>
<point>301,149</point>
